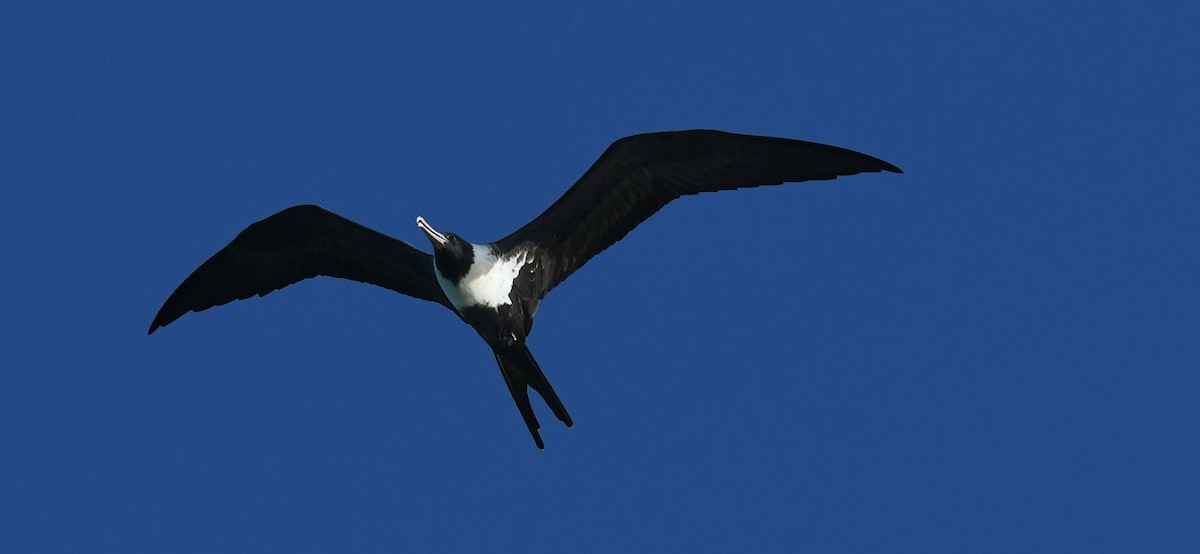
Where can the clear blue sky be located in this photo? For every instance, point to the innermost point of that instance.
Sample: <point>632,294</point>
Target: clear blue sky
<point>996,351</point>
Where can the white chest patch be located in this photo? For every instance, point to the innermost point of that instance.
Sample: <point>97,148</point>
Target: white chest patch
<point>488,283</point>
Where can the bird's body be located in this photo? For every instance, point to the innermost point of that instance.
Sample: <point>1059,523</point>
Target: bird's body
<point>496,288</point>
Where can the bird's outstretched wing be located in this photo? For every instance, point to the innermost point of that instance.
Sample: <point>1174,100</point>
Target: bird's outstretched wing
<point>638,175</point>
<point>295,244</point>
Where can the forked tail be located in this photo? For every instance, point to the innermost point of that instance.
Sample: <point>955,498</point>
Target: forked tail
<point>521,372</point>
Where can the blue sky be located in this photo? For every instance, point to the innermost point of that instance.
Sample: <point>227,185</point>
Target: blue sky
<point>996,351</point>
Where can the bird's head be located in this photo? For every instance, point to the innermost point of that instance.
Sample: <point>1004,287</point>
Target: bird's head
<point>451,253</point>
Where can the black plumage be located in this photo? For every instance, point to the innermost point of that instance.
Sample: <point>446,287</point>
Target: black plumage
<point>496,287</point>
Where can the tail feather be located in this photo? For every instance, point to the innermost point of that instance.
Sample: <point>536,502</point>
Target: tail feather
<point>521,372</point>
<point>538,381</point>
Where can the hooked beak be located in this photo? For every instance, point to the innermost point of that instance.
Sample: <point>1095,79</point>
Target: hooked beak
<point>438,239</point>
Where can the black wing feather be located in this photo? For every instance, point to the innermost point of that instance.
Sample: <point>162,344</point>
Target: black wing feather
<point>296,244</point>
<point>638,175</point>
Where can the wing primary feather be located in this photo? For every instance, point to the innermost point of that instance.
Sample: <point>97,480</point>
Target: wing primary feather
<point>295,244</point>
<point>638,175</point>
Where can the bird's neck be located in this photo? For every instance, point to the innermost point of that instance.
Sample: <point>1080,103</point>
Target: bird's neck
<point>454,264</point>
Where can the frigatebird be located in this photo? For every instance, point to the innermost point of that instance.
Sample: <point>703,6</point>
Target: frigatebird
<point>496,287</point>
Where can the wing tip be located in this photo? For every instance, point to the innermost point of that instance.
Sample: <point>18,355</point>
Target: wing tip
<point>161,319</point>
<point>879,165</point>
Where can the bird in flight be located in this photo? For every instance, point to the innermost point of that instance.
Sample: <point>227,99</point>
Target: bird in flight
<point>496,287</point>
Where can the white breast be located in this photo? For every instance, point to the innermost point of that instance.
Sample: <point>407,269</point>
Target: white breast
<point>488,283</point>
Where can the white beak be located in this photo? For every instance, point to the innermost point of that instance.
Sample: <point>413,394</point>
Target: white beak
<point>439,240</point>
